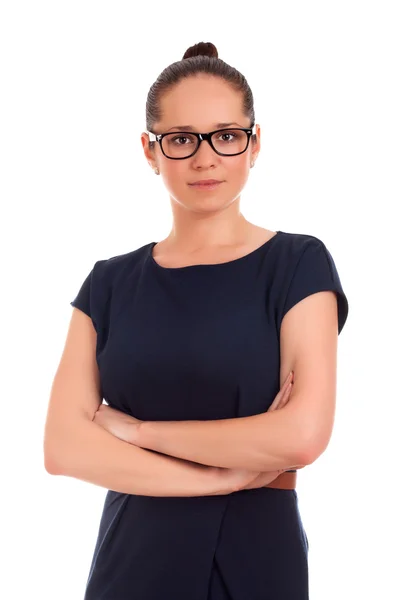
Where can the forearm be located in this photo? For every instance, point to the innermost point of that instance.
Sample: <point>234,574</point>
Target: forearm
<point>265,442</point>
<point>89,453</point>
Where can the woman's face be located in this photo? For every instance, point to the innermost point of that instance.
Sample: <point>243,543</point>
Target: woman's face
<point>202,102</point>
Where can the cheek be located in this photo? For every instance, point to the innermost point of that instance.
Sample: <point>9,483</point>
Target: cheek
<point>175,178</point>
<point>242,163</point>
<point>237,169</point>
<point>176,174</point>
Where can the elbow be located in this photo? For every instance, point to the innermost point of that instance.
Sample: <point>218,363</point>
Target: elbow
<point>54,453</point>
<point>51,466</point>
<point>314,444</point>
<point>48,452</point>
<point>52,463</point>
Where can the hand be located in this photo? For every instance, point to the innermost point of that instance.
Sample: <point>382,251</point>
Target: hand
<point>282,397</point>
<point>119,424</point>
<point>248,480</point>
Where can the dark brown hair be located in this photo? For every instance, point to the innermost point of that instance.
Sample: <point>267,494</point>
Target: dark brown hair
<point>200,58</point>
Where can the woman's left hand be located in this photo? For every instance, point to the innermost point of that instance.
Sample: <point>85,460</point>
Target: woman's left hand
<point>119,424</point>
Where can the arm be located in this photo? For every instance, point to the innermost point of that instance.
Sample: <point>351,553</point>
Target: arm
<point>294,435</point>
<point>87,452</point>
<point>75,446</point>
<point>265,442</point>
<point>125,427</point>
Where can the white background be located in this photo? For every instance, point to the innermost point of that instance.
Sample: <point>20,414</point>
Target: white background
<point>76,188</point>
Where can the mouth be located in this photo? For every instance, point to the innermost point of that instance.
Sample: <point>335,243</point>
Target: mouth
<point>209,184</point>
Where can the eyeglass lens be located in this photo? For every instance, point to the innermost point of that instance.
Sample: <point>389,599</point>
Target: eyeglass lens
<point>228,141</point>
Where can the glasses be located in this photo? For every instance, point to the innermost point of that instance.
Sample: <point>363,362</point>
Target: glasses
<point>184,144</point>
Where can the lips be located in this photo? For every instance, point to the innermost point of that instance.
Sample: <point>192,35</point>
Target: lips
<point>205,187</point>
<point>205,182</point>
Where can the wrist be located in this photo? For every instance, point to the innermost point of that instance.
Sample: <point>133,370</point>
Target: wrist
<point>136,434</point>
<point>149,435</point>
<point>218,481</point>
<point>233,480</point>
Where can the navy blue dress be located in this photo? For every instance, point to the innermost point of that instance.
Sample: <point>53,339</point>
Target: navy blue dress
<point>200,342</point>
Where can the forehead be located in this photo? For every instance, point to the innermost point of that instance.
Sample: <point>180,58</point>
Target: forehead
<point>201,102</point>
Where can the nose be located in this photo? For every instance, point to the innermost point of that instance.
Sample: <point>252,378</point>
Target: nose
<point>205,154</point>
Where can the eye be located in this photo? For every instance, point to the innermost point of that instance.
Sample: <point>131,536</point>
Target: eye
<point>226,135</point>
<point>174,140</point>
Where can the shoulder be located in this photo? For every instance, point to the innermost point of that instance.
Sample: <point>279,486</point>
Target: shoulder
<point>297,243</point>
<point>110,270</point>
<point>106,281</point>
<point>306,266</point>
<point>303,248</point>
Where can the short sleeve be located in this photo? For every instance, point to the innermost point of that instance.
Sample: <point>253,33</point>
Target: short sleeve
<point>316,272</point>
<point>82,300</point>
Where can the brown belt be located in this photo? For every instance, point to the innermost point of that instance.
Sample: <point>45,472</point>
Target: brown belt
<point>284,481</point>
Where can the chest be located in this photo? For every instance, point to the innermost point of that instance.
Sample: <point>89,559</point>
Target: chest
<point>182,352</point>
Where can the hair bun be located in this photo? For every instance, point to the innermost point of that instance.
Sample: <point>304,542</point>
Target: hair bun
<point>201,49</point>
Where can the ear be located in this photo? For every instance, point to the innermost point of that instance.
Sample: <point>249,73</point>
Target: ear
<point>256,146</point>
<point>149,154</point>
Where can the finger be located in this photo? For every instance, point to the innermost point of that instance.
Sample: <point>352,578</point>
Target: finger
<point>280,396</point>
<point>277,400</point>
<point>288,378</point>
<point>275,404</point>
<point>284,399</point>
<point>286,396</point>
<point>284,386</point>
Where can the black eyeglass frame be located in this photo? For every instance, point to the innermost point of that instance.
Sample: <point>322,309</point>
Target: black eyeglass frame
<point>157,137</point>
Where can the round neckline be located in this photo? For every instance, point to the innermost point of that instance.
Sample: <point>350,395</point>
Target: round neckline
<point>234,261</point>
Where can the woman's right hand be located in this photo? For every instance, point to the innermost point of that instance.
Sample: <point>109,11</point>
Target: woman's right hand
<point>243,479</point>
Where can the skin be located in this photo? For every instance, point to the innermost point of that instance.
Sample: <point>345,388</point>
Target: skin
<point>127,428</point>
<point>208,227</point>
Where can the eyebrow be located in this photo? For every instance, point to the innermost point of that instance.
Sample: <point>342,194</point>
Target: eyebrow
<point>190,128</point>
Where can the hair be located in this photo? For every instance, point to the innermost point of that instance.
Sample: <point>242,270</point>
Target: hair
<point>200,58</point>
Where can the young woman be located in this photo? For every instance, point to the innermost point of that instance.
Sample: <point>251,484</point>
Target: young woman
<point>215,350</point>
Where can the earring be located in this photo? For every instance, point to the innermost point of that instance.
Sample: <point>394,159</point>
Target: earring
<point>156,171</point>
<point>252,164</point>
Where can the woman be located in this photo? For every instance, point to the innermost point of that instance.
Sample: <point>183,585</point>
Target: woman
<point>195,342</point>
